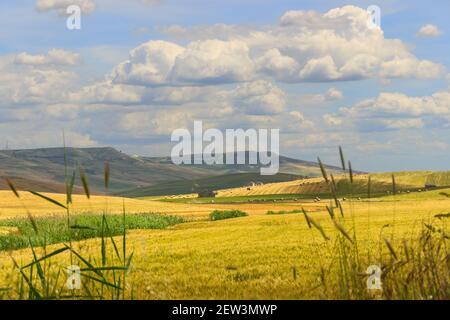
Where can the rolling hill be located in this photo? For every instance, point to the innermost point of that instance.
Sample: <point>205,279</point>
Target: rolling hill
<point>44,170</point>
<point>287,165</point>
<point>381,183</point>
<point>46,166</point>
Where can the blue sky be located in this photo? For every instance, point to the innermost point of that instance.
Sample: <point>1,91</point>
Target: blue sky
<point>139,69</point>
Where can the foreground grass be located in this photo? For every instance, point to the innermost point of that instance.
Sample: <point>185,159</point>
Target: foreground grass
<point>54,229</point>
<point>255,257</point>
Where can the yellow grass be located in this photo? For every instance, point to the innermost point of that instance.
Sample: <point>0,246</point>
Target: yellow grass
<point>250,257</point>
<point>317,186</point>
<point>289,187</point>
<point>11,207</point>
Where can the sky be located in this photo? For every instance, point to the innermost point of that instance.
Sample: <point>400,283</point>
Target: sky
<point>139,69</point>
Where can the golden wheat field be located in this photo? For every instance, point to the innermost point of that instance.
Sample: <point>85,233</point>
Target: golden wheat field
<point>12,207</point>
<point>255,257</point>
<point>314,186</point>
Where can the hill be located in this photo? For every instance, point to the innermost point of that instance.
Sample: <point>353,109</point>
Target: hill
<point>47,166</point>
<point>210,183</point>
<point>286,165</point>
<point>381,183</point>
<point>43,170</point>
<point>41,185</point>
<point>417,179</point>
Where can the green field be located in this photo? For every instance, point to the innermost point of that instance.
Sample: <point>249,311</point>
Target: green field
<point>54,229</point>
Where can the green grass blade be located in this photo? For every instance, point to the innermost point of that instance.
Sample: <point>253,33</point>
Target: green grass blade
<point>322,169</point>
<point>341,153</point>
<point>124,239</point>
<point>103,247</point>
<point>39,268</point>
<point>333,189</point>
<point>121,268</point>
<point>27,280</point>
<point>130,258</point>
<point>84,261</point>
<point>330,212</point>
<point>391,249</point>
<point>319,228</point>
<point>12,187</point>
<point>350,170</point>
<point>394,186</point>
<point>102,281</point>
<point>55,287</point>
<point>343,231</point>
<point>69,187</point>
<point>341,209</point>
<point>116,249</point>
<point>107,174</point>
<point>85,182</point>
<point>306,218</point>
<point>54,253</point>
<point>59,204</point>
<point>33,221</point>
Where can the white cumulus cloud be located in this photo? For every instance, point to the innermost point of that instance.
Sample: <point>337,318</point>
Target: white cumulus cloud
<point>206,62</point>
<point>260,98</point>
<point>86,6</point>
<point>396,111</point>
<point>53,57</point>
<point>306,46</point>
<point>429,31</point>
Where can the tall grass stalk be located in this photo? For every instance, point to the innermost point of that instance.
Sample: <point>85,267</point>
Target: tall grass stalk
<point>414,268</point>
<point>42,277</point>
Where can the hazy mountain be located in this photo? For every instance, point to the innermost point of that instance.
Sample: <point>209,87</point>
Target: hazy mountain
<point>44,169</point>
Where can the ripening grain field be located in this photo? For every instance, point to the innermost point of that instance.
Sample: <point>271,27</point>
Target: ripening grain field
<point>260,256</point>
<point>11,207</point>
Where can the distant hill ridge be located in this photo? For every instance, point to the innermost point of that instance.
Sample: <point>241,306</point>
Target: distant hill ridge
<point>43,169</point>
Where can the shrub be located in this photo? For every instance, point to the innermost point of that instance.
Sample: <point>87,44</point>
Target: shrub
<point>283,212</point>
<point>227,214</point>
